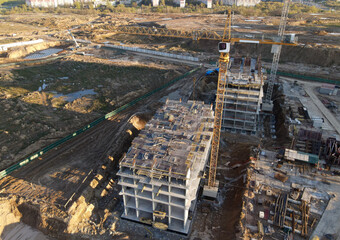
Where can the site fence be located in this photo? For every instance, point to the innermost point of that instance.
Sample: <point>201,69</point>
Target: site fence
<point>37,154</point>
<point>31,62</point>
<point>163,54</point>
<point>4,47</point>
<point>305,77</point>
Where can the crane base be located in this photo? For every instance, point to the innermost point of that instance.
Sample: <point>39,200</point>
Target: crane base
<point>267,107</point>
<point>210,192</point>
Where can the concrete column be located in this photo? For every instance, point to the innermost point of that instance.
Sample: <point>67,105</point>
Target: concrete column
<point>169,215</point>
<point>186,213</point>
<point>169,218</point>
<point>125,208</point>
<point>182,3</point>
<point>209,3</point>
<point>155,3</point>
<point>153,209</point>
<point>137,207</point>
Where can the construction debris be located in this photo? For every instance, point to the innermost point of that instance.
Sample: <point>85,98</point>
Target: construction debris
<point>295,202</point>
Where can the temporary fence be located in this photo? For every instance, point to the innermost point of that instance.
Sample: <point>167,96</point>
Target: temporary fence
<point>163,54</point>
<point>31,62</point>
<point>305,77</point>
<point>4,47</point>
<point>39,153</point>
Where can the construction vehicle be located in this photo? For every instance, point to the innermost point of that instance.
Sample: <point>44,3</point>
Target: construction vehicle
<point>267,104</point>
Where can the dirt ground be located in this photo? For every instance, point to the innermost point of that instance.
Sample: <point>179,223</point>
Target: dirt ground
<point>49,183</point>
<point>220,219</point>
<point>43,103</point>
<point>72,192</point>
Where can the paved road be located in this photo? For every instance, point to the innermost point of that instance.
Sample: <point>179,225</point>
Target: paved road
<point>315,104</point>
<point>327,114</point>
<point>329,222</point>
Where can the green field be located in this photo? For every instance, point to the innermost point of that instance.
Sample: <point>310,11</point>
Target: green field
<point>11,3</point>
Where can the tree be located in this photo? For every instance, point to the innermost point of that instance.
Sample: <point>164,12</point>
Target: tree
<point>162,2</point>
<point>109,5</point>
<point>77,5</point>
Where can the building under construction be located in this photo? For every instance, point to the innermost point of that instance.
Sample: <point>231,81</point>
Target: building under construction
<point>161,172</point>
<point>243,96</point>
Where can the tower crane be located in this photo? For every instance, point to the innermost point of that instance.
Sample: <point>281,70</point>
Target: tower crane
<point>211,189</point>
<point>267,105</point>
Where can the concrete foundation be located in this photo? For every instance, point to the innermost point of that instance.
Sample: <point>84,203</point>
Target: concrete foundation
<point>161,171</point>
<point>267,107</point>
<point>211,192</point>
<point>243,96</point>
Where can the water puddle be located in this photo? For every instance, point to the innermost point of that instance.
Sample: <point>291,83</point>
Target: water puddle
<point>43,86</point>
<point>336,34</point>
<point>252,20</point>
<point>43,53</point>
<point>75,95</point>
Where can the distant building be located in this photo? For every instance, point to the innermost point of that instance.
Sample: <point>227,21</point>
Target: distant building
<point>48,3</point>
<point>241,2</point>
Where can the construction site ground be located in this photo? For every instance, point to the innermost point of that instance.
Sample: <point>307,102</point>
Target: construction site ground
<point>54,178</point>
<point>317,33</point>
<point>320,189</point>
<point>71,192</point>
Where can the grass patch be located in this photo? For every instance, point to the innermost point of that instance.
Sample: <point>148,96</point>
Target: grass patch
<point>11,2</point>
<point>69,76</point>
<point>10,40</point>
<point>333,4</point>
<point>13,91</point>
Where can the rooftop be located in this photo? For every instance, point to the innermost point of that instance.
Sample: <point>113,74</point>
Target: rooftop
<point>245,71</point>
<point>172,141</point>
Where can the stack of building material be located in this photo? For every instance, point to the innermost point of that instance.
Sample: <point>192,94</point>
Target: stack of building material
<point>293,155</point>
<point>328,89</point>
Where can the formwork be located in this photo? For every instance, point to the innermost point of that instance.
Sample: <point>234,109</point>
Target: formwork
<point>243,96</point>
<point>161,172</point>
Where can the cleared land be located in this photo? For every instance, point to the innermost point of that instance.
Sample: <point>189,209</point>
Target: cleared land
<point>72,192</point>
<point>41,104</point>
